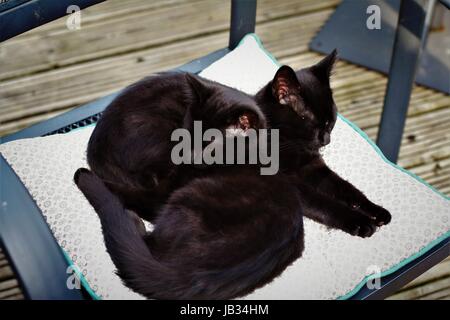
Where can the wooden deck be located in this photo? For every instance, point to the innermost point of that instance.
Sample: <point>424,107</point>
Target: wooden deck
<point>51,69</point>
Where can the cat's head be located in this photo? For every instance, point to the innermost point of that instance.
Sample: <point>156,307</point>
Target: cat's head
<point>300,104</point>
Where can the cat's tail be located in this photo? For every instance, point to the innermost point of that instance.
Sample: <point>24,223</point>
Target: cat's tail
<point>125,243</point>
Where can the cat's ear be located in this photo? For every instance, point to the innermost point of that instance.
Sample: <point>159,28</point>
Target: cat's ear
<point>285,85</point>
<point>324,67</point>
<point>200,87</point>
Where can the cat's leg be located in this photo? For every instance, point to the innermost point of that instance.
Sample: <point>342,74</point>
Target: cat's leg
<point>334,214</point>
<point>325,181</point>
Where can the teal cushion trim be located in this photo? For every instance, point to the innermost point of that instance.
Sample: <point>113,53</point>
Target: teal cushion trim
<point>394,268</point>
<point>80,276</point>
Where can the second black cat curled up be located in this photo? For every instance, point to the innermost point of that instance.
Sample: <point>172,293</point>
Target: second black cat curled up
<point>220,233</point>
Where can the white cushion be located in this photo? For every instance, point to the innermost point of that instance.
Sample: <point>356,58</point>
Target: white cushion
<point>334,264</point>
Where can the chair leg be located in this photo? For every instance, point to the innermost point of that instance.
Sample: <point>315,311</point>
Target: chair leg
<point>412,30</point>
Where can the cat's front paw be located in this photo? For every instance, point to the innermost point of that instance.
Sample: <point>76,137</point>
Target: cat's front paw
<point>379,215</point>
<point>360,226</point>
<point>382,217</point>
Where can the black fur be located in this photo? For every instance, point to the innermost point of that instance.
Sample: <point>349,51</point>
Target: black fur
<point>214,239</point>
<point>218,233</point>
<point>130,147</point>
<point>305,120</point>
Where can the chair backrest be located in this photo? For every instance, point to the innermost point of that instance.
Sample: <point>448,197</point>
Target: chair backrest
<point>446,3</point>
<point>243,19</point>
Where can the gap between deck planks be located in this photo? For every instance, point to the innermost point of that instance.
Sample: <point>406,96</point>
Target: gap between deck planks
<point>9,288</point>
<point>122,41</point>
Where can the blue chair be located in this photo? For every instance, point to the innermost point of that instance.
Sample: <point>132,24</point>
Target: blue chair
<point>36,257</point>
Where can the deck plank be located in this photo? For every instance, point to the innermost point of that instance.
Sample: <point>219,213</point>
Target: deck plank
<point>428,285</point>
<point>133,31</point>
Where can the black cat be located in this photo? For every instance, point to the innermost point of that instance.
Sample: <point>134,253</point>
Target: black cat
<point>222,234</point>
<point>301,106</point>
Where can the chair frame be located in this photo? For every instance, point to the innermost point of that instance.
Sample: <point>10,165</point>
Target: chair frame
<point>38,261</point>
